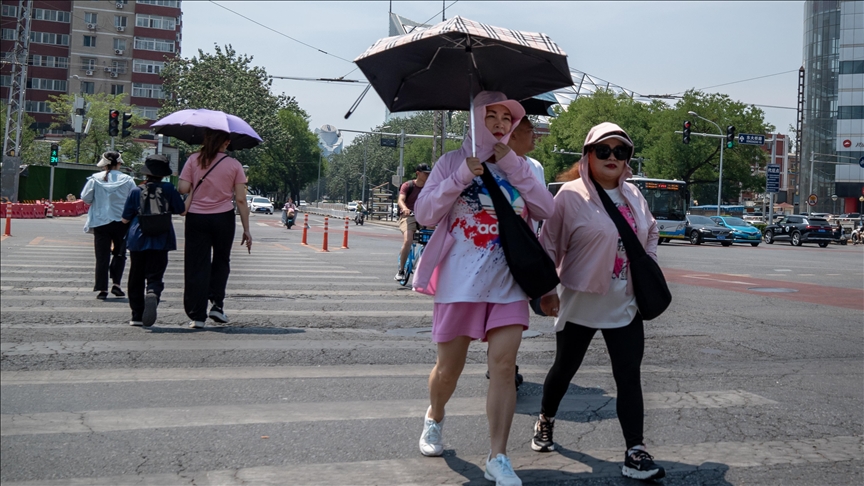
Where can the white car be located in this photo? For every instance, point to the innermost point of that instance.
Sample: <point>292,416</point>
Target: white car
<point>302,204</point>
<point>261,205</point>
<point>351,206</point>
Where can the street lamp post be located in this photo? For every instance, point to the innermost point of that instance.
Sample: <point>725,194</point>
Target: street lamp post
<point>834,205</point>
<point>720,177</point>
<point>365,157</point>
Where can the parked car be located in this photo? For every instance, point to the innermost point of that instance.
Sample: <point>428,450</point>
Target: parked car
<point>302,204</point>
<point>798,229</point>
<point>754,217</point>
<point>700,229</point>
<point>351,206</point>
<point>742,231</point>
<point>261,205</point>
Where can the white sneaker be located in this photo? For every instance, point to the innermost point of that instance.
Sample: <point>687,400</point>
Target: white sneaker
<point>431,441</point>
<point>136,323</point>
<point>196,324</point>
<point>500,471</point>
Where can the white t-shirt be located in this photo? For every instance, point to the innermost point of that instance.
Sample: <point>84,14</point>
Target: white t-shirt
<point>540,174</point>
<point>475,269</point>
<point>602,311</point>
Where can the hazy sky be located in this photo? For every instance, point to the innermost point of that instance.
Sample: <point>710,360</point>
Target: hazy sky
<point>648,47</point>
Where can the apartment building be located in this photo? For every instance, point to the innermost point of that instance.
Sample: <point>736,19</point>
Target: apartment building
<point>116,47</point>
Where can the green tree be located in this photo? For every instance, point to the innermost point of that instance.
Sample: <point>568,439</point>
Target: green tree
<point>227,81</point>
<point>97,140</point>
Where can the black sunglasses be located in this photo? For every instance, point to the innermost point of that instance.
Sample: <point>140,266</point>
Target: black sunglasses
<point>621,152</point>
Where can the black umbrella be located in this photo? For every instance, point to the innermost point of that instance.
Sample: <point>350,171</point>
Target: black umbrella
<point>442,67</point>
<point>540,105</point>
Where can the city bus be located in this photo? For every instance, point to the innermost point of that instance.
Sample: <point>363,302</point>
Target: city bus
<point>667,200</point>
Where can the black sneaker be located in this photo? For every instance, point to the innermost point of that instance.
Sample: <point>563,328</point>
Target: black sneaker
<point>542,441</point>
<point>218,315</point>
<point>151,301</point>
<point>117,291</point>
<point>102,295</point>
<point>638,464</point>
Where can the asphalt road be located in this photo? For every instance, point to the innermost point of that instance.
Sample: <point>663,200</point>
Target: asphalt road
<point>753,376</point>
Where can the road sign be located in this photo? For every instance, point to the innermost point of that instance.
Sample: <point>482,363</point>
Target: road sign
<point>772,178</point>
<point>396,181</point>
<point>389,142</point>
<point>812,199</point>
<point>750,139</point>
<point>861,162</point>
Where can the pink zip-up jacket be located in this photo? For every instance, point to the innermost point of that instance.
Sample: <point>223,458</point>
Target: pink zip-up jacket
<point>582,239</point>
<point>451,175</point>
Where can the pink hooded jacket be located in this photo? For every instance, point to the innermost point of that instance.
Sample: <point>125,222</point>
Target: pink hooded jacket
<point>581,237</point>
<point>451,175</point>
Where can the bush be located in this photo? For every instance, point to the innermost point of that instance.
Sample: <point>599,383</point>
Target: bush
<point>761,226</point>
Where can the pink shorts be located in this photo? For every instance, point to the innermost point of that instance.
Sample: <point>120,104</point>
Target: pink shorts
<point>475,319</point>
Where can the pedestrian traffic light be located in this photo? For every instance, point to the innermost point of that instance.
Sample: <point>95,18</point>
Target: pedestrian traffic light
<point>686,135</point>
<point>126,125</point>
<point>730,136</point>
<point>113,123</point>
<point>55,154</point>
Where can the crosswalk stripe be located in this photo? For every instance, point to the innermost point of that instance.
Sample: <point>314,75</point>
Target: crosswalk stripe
<point>221,415</point>
<point>242,312</point>
<point>234,279</point>
<point>150,375</point>
<point>247,292</point>
<point>288,269</point>
<point>23,299</point>
<point>565,466</point>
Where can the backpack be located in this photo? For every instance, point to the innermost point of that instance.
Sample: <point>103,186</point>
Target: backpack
<point>154,215</point>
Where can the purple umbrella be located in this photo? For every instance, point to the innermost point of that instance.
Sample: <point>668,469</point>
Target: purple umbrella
<point>189,125</point>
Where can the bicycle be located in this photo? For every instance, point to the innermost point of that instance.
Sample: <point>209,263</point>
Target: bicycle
<point>421,237</point>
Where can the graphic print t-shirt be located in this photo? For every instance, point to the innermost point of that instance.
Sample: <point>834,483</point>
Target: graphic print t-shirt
<point>476,270</point>
<point>613,309</point>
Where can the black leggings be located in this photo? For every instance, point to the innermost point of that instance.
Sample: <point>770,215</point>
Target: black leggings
<point>626,346</point>
<point>207,253</point>
<point>110,262</point>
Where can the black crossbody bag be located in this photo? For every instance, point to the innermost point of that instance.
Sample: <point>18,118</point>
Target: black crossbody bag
<point>531,266</point>
<point>189,199</point>
<point>649,284</point>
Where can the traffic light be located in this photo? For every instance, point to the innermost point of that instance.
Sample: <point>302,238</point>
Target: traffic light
<point>126,125</point>
<point>730,136</point>
<point>686,135</point>
<point>55,154</point>
<point>113,123</point>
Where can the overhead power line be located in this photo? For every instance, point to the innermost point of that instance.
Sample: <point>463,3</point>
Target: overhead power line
<point>282,34</point>
<point>745,80</point>
<point>437,14</point>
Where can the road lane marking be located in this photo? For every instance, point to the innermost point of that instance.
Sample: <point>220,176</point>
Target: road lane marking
<point>706,277</point>
<point>238,293</point>
<point>83,311</point>
<point>101,421</point>
<point>36,241</point>
<point>564,466</point>
<point>144,375</point>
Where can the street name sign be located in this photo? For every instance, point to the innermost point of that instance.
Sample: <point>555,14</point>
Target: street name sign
<point>389,142</point>
<point>772,178</point>
<point>750,139</point>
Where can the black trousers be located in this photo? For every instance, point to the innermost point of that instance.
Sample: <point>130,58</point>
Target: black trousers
<point>207,256</point>
<point>108,260</point>
<point>145,274</point>
<point>626,346</point>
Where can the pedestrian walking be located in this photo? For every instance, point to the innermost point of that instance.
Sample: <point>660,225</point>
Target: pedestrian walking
<point>464,267</point>
<point>212,179</point>
<point>151,236</point>
<point>596,291</point>
<point>106,193</point>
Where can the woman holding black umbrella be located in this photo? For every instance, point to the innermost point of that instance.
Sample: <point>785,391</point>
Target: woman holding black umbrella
<point>212,179</point>
<point>464,267</point>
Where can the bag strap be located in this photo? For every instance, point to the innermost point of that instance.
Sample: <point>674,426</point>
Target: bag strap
<point>207,173</point>
<point>632,246</point>
<point>498,199</point>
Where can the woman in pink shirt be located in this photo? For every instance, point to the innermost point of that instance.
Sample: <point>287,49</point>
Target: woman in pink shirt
<point>213,181</point>
<point>464,267</point>
<point>595,291</point>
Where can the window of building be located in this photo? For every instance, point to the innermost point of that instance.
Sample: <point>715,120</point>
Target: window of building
<point>118,67</point>
<point>147,66</point>
<point>37,106</point>
<point>116,89</point>
<point>161,3</point>
<point>850,113</point>
<point>155,22</point>
<point>88,64</point>
<point>89,17</point>
<point>146,112</point>
<point>51,15</point>
<point>145,90</point>
<point>88,87</point>
<point>49,38</point>
<point>120,21</point>
<point>9,11</point>
<point>9,34</point>
<point>49,61</point>
<point>46,84</point>
<point>158,45</point>
<point>120,44</point>
<point>852,67</point>
<point>6,80</point>
<point>89,41</point>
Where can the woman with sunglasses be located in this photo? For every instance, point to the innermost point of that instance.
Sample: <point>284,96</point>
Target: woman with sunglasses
<point>595,290</point>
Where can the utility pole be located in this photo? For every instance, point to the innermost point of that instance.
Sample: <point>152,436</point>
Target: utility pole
<point>15,109</point>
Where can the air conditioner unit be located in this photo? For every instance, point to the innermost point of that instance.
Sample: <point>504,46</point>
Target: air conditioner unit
<point>120,28</point>
<point>119,52</point>
<point>120,5</point>
<point>91,26</point>
<point>113,75</point>
<point>107,69</point>
<point>89,73</point>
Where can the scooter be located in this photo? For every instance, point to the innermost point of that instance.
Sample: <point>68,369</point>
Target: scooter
<point>288,217</point>
<point>359,217</point>
<point>856,236</point>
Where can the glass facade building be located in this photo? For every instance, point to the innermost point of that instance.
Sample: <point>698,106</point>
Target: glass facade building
<point>832,138</point>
